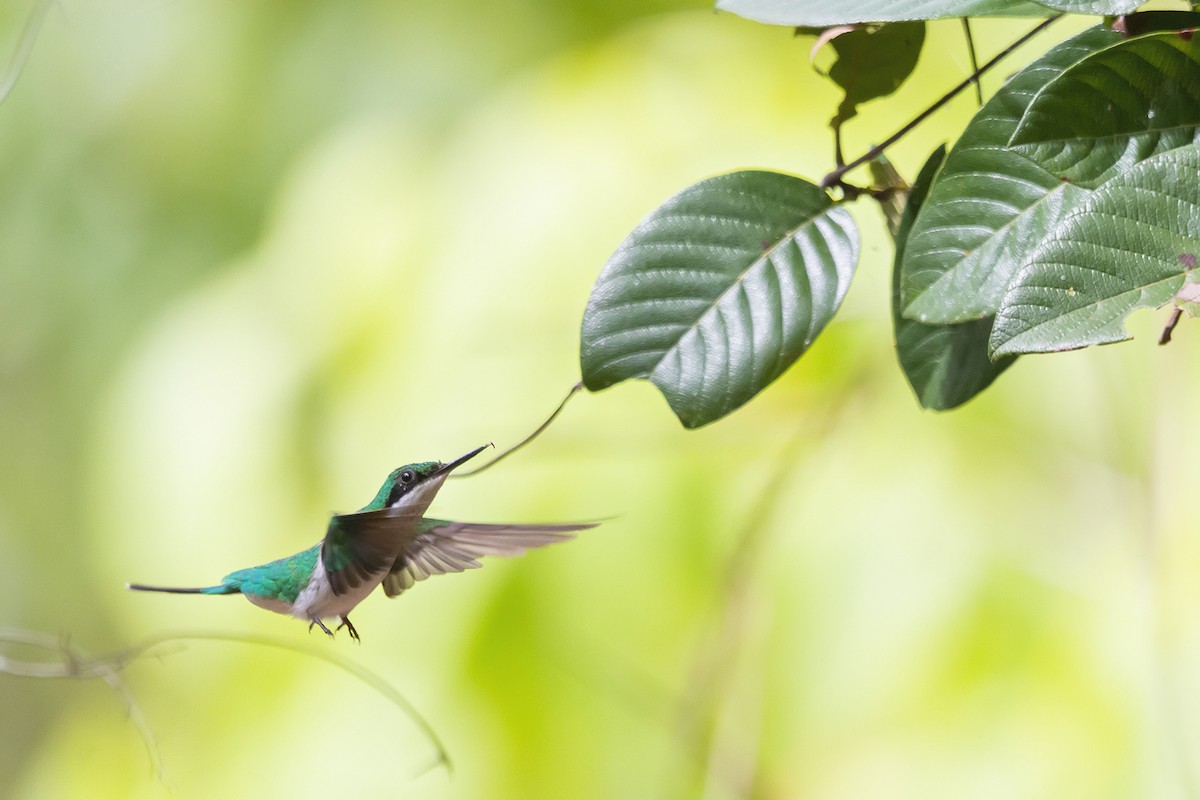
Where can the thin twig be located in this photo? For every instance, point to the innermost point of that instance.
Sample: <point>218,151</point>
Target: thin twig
<point>79,665</point>
<point>537,432</point>
<point>966,23</point>
<point>1169,328</point>
<point>329,656</point>
<point>835,177</point>
<point>75,663</point>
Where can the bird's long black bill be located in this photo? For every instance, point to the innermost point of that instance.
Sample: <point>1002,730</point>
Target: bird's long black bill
<point>462,459</point>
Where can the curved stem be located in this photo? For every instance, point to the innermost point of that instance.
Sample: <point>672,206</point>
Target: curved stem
<point>371,679</point>
<point>76,664</point>
<point>834,178</point>
<point>578,387</point>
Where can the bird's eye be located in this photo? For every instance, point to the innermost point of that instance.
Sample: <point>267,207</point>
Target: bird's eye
<point>408,476</point>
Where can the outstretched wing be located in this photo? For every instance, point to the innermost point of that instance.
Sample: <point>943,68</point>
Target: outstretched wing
<point>440,546</point>
<point>358,547</point>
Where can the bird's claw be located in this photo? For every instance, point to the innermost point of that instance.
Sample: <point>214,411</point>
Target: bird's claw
<point>350,627</point>
<point>345,624</point>
<point>321,625</point>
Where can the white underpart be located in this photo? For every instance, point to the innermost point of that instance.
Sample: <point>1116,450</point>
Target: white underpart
<point>269,603</point>
<point>317,600</point>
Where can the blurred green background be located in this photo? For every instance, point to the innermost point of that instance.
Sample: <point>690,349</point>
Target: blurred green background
<point>255,255</point>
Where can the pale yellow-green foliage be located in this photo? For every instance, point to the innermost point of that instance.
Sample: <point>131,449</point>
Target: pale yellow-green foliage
<point>255,255</point>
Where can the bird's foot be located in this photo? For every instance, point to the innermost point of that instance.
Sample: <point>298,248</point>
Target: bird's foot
<point>350,627</point>
<point>314,621</point>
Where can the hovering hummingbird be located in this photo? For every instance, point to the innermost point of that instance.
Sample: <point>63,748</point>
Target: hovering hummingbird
<point>389,541</point>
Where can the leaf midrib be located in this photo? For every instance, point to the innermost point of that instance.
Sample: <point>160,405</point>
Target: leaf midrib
<point>737,283</point>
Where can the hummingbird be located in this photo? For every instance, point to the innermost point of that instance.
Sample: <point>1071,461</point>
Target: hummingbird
<point>387,542</point>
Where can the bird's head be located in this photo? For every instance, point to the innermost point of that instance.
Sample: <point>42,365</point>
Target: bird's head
<point>417,483</point>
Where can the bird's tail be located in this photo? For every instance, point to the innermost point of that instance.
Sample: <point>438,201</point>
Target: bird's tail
<point>222,589</point>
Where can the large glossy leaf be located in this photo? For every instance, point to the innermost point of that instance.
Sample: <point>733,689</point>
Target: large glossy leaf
<point>1133,244</point>
<point>718,291</point>
<point>1093,6</point>
<point>990,203</point>
<point>1151,83</point>
<point>846,12</point>
<point>946,365</point>
<point>1115,108</point>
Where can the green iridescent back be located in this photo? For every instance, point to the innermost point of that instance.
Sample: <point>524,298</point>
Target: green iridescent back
<point>282,578</point>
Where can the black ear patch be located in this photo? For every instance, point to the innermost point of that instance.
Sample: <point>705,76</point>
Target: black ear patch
<point>404,481</point>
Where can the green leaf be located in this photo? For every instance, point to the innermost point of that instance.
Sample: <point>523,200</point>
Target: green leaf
<point>946,365</point>
<point>718,291</point>
<point>1108,101</point>
<point>1115,108</point>
<point>873,62</point>
<point>990,205</point>
<point>1093,6</point>
<point>1133,244</point>
<point>821,13</point>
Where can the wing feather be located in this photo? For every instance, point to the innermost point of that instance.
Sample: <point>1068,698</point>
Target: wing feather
<point>439,547</point>
<point>358,547</point>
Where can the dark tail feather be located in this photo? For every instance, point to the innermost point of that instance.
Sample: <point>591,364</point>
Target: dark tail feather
<point>222,589</point>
